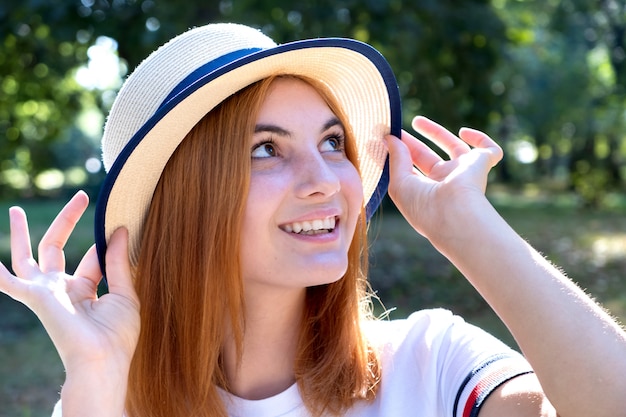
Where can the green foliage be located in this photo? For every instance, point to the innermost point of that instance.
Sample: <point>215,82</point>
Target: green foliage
<point>48,41</point>
<point>443,52</point>
<point>546,78</point>
<point>38,97</point>
<point>567,92</point>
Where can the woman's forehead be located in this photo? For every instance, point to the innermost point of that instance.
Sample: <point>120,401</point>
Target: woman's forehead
<point>292,97</point>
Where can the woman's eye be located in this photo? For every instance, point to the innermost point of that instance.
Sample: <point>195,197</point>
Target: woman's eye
<point>333,144</point>
<point>264,150</point>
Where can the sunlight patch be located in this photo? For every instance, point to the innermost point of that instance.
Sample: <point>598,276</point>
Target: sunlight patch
<point>607,248</point>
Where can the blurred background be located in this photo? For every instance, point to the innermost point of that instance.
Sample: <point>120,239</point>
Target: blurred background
<point>546,78</point>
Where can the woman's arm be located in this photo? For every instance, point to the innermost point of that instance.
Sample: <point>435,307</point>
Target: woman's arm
<point>522,396</point>
<point>95,337</point>
<point>576,349</point>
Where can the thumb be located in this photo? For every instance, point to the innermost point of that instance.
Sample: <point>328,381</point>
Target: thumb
<point>119,275</point>
<point>400,163</point>
<point>399,155</point>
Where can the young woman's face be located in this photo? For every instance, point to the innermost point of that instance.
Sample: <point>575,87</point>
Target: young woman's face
<point>305,195</point>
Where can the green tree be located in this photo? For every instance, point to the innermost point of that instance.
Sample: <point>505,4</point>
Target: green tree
<point>566,81</point>
<point>44,43</point>
<point>443,52</point>
<point>38,96</point>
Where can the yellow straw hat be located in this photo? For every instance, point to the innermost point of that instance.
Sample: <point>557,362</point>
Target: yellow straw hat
<point>172,89</point>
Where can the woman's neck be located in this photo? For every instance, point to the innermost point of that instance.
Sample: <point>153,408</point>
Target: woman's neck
<point>272,328</point>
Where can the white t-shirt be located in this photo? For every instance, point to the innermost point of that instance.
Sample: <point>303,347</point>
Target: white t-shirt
<point>434,364</point>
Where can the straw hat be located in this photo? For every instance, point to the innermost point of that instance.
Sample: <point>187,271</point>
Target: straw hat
<point>172,89</point>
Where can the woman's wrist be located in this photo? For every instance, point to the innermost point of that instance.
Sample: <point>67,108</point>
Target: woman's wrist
<point>472,224</point>
<point>95,390</point>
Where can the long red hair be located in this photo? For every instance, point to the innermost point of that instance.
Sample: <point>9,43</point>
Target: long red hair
<point>189,282</point>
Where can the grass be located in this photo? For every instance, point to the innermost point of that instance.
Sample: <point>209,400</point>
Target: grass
<point>31,372</point>
<point>406,272</point>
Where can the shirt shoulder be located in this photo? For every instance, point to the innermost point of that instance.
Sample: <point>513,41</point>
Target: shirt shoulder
<point>435,363</point>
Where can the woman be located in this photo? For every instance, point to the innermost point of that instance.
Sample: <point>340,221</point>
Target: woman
<point>240,178</point>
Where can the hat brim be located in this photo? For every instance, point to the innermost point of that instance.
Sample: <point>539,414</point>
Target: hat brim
<point>358,75</point>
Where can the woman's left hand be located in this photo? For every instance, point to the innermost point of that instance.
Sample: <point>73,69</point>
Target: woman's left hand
<point>426,188</point>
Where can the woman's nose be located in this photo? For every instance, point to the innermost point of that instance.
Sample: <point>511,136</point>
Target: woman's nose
<point>316,176</point>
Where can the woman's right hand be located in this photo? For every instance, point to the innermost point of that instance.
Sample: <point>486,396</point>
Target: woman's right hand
<point>88,332</point>
<point>437,195</point>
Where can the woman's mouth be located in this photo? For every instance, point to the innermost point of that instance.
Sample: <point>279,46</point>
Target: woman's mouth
<point>311,227</point>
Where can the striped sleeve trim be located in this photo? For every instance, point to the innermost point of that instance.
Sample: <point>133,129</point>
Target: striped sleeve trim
<point>482,381</point>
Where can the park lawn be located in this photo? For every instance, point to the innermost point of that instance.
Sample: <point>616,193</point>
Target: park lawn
<point>406,273</point>
<point>31,372</point>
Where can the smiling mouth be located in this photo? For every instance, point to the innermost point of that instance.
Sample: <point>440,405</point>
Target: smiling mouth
<point>312,227</point>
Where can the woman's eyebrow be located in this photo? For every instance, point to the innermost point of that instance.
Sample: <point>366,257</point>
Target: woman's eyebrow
<point>259,128</point>
<point>271,128</point>
<point>333,121</point>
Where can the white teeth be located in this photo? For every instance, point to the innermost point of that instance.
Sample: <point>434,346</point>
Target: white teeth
<point>311,227</point>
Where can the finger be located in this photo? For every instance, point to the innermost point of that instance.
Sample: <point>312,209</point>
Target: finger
<point>403,154</point>
<point>87,276</point>
<point>440,136</point>
<point>422,156</point>
<point>480,140</point>
<point>9,283</point>
<point>22,261</point>
<point>400,163</point>
<point>51,256</point>
<point>118,266</point>
<point>89,267</point>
